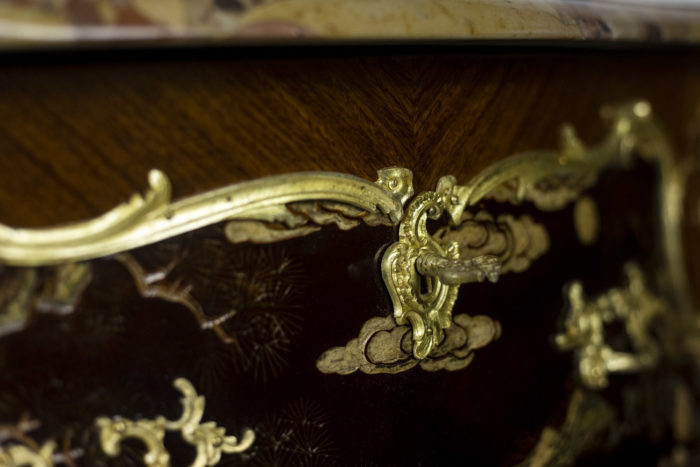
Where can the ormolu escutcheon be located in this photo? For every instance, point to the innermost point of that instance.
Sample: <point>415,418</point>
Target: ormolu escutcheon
<point>423,276</point>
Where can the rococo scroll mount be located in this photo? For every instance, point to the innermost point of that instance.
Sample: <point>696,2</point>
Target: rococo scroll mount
<point>148,219</point>
<point>584,329</point>
<point>423,277</point>
<point>209,440</point>
<point>422,272</point>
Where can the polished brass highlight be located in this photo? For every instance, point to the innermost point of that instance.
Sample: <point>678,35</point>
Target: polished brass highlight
<point>425,300</point>
<point>152,218</point>
<point>421,272</point>
<point>209,440</point>
<point>584,329</point>
<point>455,271</point>
<point>644,134</point>
<point>384,347</point>
<point>548,179</point>
<point>552,179</point>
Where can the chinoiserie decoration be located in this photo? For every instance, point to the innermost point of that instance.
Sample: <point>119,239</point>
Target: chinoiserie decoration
<point>422,271</point>
<point>423,274</point>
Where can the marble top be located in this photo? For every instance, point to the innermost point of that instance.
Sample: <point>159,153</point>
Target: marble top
<point>66,22</point>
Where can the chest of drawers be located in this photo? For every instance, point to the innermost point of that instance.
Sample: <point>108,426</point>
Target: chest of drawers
<point>303,313</point>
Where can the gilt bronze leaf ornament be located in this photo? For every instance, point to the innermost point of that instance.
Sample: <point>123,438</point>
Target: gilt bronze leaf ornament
<point>423,276</point>
<point>422,272</point>
<point>209,440</point>
<point>144,220</point>
<point>584,329</point>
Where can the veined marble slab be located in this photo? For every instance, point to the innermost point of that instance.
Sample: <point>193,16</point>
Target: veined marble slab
<point>65,22</point>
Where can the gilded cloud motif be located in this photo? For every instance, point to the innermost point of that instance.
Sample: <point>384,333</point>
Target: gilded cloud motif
<point>384,347</point>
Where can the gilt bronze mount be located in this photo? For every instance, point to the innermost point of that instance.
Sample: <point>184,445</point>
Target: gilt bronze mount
<point>441,239</point>
<point>422,272</point>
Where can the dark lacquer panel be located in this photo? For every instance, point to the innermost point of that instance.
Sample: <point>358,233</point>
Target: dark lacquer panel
<point>282,305</point>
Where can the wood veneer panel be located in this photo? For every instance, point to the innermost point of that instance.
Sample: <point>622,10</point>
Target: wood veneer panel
<point>79,136</point>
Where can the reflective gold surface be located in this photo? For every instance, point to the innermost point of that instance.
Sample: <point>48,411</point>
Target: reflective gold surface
<point>584,330</point>
<point>426,300</point>
<point>422,270</point>
<point>152,218</point>
<point>422,274</point>
<point>552,179</point>
<point>209,440</point>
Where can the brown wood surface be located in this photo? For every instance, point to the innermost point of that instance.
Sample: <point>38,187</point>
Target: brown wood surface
<point>79,135</point>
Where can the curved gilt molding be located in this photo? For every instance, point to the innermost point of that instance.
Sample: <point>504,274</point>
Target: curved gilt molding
<point>423,275</point>
<point>209,440</point>
<point>151,218</point>
<point>422,272</point>
<point>552,179</point>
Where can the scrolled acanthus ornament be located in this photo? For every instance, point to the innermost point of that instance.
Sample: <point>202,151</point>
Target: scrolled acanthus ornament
<point>423,276</point>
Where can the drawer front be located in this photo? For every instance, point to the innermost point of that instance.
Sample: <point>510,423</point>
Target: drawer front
<point>486,300</point>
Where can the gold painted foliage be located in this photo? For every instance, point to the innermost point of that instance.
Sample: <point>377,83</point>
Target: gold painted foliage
<point>304,217</point>
<point>248,298</point>
<point>24,291</point>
